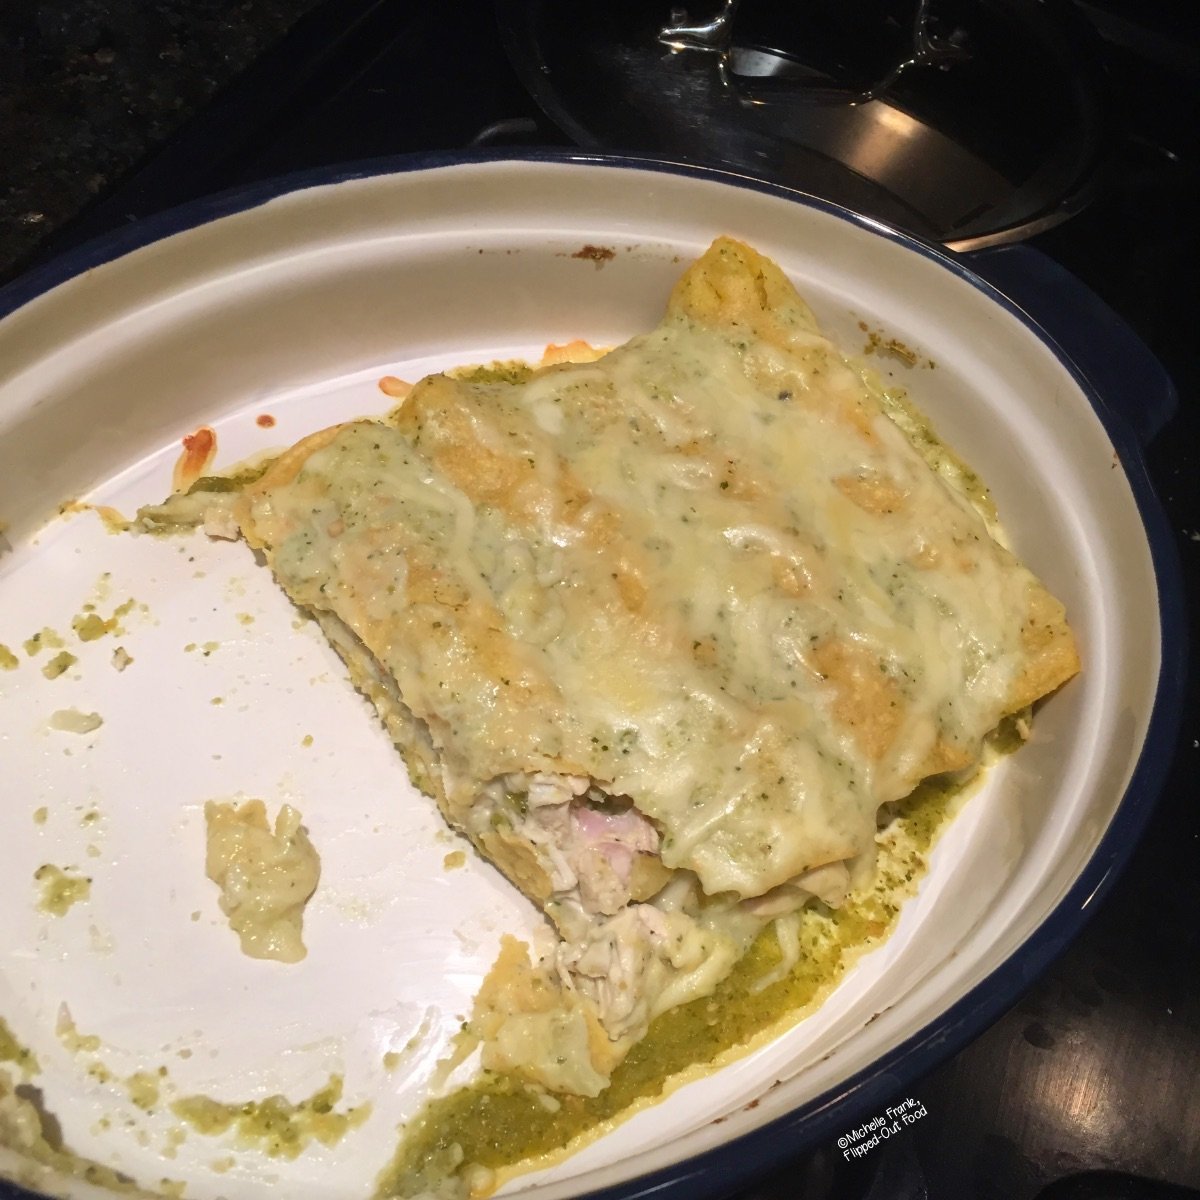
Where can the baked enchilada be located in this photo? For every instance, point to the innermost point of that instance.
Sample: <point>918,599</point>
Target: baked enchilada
<point>661,633</point>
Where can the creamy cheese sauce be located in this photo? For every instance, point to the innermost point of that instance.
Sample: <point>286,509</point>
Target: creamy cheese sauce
<point>265,877</point>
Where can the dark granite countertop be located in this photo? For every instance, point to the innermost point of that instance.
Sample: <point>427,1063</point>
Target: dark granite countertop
<point>90,88</point>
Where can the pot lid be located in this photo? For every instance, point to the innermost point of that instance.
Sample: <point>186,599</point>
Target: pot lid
<point>969,122</point>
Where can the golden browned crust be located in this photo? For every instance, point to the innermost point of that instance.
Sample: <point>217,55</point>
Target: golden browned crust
<point>1052,656</point>
<point>734,285</point>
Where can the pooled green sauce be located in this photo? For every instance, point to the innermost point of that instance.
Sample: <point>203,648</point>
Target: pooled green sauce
<point>500,1120</point>
<point>275,1125</point>
<point>233,482</point>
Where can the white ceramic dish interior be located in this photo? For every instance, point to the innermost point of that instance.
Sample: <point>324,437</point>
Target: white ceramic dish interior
<point>295,309</point>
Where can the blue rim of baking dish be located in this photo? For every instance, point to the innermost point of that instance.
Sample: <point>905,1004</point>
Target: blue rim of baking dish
<point>737,1162</point>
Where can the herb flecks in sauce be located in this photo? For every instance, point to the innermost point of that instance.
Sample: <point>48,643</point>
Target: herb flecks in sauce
<point>276,1126</point>
<point>145,1088</point>
<point>497,372</point>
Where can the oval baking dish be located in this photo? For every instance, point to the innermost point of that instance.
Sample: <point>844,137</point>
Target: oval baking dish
<point>270,312</point>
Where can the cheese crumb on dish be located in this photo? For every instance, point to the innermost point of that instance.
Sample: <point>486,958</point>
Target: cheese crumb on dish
<point>68,1033</point>
<point>145,1088</point>
<point>60,890</point>
<point>90,626</point>
<point>265,877</point>
<point>44,639</point>
<point>71,720</point>
<point>63,661</point>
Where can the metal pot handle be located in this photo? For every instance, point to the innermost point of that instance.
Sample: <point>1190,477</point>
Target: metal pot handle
<point>715,36</point>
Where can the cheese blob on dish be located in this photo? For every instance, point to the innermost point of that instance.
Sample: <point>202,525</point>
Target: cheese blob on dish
<point>266,877</point>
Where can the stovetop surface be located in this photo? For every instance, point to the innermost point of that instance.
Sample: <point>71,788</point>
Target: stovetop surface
<point>1088,1087</point>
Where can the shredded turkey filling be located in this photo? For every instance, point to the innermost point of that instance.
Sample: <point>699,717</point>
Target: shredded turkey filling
<point>637,937</point>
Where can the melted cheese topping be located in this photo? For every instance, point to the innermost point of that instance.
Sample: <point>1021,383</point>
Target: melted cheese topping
<point>706,571</point>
